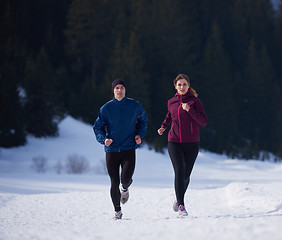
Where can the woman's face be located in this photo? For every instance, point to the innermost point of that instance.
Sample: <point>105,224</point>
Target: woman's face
<point>182,86</point>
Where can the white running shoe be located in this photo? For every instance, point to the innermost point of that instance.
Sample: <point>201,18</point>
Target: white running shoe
<point>175,206</point>
<point>118,215</point>
<point>124,195</point>
<point>182,211</point>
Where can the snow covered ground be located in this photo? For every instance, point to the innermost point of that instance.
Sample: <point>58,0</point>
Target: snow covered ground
<point>226,199</point>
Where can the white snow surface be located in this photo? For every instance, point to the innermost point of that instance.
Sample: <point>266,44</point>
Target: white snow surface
<point>227,198</point>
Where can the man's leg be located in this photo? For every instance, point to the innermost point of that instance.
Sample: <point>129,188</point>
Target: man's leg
<point>113,164</point>
<point>128,167</point>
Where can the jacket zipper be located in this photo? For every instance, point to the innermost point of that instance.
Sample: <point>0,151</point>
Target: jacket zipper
<point>191,128</point>
<point>180,137</point>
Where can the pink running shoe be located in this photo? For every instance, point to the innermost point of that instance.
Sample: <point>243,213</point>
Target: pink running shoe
<point>175,206</point>
<point>182,211</point>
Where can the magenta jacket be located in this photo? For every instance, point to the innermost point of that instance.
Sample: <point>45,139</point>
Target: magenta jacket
<point>185,125</point>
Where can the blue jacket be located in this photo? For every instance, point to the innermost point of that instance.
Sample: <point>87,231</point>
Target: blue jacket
<point>120,121</point>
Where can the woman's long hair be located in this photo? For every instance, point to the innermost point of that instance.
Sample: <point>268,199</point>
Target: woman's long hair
<point>184,76</point>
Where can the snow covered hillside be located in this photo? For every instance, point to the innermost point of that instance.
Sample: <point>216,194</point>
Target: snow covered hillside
<point>227,199</point>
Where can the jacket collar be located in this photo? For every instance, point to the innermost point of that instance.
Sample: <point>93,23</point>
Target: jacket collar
<point>120,102</point>
<point>188,94</point>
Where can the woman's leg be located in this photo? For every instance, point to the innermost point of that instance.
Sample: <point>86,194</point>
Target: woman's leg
<point>177,158</point>
<point>191,151</point>
<point>113,164</point>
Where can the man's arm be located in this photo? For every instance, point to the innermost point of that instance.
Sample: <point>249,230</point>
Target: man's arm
<point>141,123</point>
<point>100,128</point>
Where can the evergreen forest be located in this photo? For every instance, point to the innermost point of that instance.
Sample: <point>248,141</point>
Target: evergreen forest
<point>59,57</point>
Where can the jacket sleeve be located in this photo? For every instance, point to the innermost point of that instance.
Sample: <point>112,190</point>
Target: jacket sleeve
<point>100,128</point>
<point>141,123</point>
<point>167,120</point>
<point>197,112</point>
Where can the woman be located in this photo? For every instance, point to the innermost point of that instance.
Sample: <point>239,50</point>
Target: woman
<point>186,113</point>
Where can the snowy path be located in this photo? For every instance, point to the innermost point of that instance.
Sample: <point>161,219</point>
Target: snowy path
<point>228,199</point>
<point>237,211</point>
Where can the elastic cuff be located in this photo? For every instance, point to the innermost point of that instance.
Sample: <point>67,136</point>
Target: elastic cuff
<point>117,209</point>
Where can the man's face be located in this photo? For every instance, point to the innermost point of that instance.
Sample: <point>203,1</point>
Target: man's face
<point>119,92</point>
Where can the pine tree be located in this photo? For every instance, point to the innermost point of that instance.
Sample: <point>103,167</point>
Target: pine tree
<point>276,94</point>
<point>126,61</point>
<point>134,72</point>
<point>217,89</point>
<point>252,95</point>
<point>12,120</point>
<point>89,101</point>
<point>260,17</point>
<point>240,35</point>
<point>88,42</point>
<point>87,37</point>
<point>40,109</point>
<point>277,42</point>
<point>116,66</point>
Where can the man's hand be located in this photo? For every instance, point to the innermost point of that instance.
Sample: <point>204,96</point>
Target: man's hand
<point>108,141</point>
<point>138,139</point>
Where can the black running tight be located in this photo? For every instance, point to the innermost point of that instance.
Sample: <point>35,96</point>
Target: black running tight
<point>125,160</point>
<point>183,157</point>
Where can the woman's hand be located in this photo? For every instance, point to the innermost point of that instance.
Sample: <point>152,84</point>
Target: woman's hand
<point>186,106</point>
<point>161,131</point>
<point>108,141</point>
<point>138,139</point>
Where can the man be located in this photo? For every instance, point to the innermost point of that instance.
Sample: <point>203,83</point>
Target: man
<point>120,126</point>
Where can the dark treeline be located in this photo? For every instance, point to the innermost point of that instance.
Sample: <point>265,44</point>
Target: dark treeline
<point>60,57</point>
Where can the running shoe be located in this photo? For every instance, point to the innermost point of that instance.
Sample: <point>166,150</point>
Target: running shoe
<point>124,195</point>
<point>182,211</point>
<point>175,206</point>
<point>118,215</point>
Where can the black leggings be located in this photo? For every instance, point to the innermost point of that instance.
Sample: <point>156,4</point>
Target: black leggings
<point>114,160</point>
<point>183,157</point>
